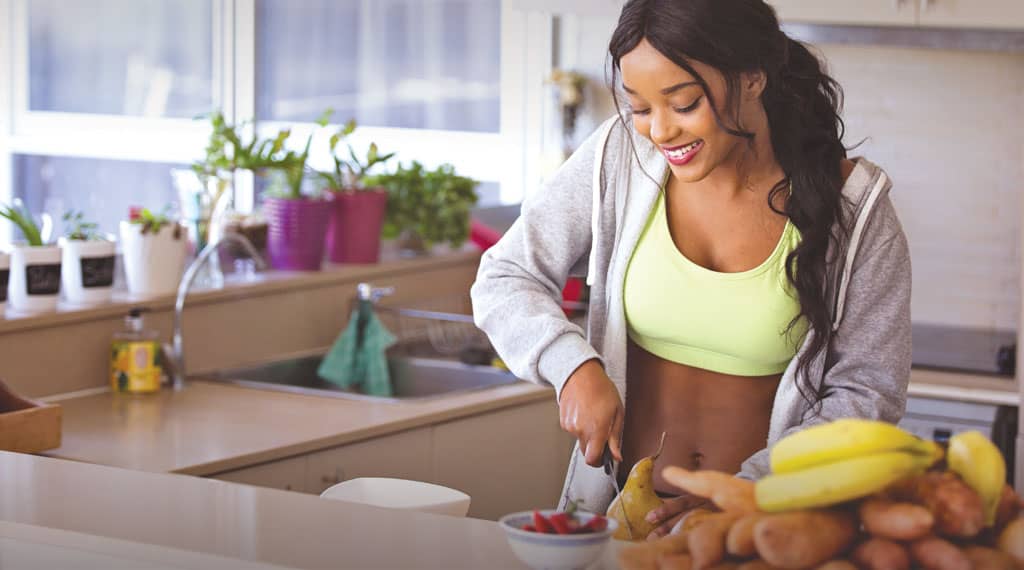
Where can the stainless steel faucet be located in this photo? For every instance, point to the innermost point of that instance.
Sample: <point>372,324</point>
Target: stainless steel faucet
<point>178,350</point>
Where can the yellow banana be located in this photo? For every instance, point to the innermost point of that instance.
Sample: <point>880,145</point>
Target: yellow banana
<point>981,465</point>
<point>837,482</point>
<point>843,439</point>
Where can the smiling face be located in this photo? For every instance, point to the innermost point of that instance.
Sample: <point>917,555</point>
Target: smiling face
<point>669,107</point>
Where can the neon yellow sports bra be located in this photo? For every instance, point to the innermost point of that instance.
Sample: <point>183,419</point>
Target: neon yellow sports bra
<point>732,323</point>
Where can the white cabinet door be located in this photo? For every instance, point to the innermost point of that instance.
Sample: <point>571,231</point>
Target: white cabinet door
<point>286,474</point>
<point>506,461</point>
<point>404,455</point>
<point>1005,14</point>
<point>859,12</point>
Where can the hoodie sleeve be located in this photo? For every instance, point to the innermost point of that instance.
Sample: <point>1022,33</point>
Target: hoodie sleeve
<point>518,290</point>
<point>868,365</point>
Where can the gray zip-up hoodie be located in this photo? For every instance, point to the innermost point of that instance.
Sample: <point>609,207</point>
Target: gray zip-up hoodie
<point>587,220</point>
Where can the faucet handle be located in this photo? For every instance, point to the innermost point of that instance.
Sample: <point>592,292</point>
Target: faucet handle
<point>373,294</point>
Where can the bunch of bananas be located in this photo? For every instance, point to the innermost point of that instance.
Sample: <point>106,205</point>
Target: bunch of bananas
<point>844,460</point>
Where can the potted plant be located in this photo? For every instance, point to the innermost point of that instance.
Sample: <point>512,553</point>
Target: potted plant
<point>297,223</point>
<point>426,207</point>
<point>87,262</point>
<point>35,265</point>
<point>5,274</point>
<point>353,234</point>
<point>154,249</point>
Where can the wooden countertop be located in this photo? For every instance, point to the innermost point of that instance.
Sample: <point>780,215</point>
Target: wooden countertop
<point>209,427</point>
<point>54,508</point>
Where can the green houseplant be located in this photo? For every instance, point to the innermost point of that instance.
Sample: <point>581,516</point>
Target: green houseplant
<point>87,261</point>
<point>35,264</point>
<point>353,234</point>
<point>426,207</point>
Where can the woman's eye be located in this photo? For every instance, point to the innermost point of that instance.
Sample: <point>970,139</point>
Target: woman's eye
<point>641,112</point>
<point>690,107</point>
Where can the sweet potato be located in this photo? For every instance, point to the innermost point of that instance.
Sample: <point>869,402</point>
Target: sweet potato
<point>757,564</point>
<point>726,491</point>
<point>957,508</point>
<point>881,554</point>
<point>1010,504</point>
<point>803,539</point>
<point>706,540</point>
<point>838,564</point>
<point>1011,540</point>
<point>675,562</point>
<point>639,556</point>
<point>934,553</point>
<point>895,520</point>
<point>984,558</point>
<point>740,540</point>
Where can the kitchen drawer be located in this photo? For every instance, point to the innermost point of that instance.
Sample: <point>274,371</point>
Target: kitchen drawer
<point>285,474</point>
<point>404,455</point>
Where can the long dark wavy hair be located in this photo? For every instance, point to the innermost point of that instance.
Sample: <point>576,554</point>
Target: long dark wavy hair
<point>803,105</point>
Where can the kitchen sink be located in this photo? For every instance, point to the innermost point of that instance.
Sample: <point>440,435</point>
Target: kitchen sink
<point>412,378</point>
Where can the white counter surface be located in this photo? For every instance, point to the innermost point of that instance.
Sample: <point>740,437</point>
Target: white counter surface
<point>52,508</point>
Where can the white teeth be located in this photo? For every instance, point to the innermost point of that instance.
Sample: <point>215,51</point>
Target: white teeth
<point>680,153</point>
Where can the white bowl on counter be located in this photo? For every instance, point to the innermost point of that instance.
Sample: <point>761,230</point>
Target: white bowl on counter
<point>555,551</point>
<point>401,494</point>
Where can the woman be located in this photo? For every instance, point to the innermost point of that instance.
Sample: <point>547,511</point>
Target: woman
<point>747,279</point>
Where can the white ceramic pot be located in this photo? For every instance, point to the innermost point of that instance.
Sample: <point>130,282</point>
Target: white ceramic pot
<point>35,278</point>
<point>5,274</point>
<point>87,270</point>
<point>153,262</point>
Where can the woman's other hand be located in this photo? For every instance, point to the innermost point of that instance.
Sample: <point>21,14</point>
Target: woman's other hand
<point>591,410</point>
<point>671,511</point>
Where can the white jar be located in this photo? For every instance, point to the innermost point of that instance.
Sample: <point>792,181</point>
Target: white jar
<point>5,274</point>
<point>87,271</point>
<point>35,278</point>
<point>153,262</point>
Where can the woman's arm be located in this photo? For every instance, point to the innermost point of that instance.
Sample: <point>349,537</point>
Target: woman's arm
<point>868,365</point>
<point>518,290</point>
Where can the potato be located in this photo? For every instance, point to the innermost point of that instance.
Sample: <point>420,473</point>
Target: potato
<point>740,540</point>
<point>706,540</point>
<point>726,491</point>
<point>957,508</point>
<point>984,558</point>
<point>675,562</point>
<point>933,553</point>
<point>1011,540</point>
<point>803,539</point>
<point>837,564</point>
<point>895,520</point>
<point>881,554</point>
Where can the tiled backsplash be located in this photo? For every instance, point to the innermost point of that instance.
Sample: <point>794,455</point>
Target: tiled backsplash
<point>946,126</point>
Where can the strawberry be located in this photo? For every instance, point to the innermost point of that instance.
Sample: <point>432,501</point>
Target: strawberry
<point>596,524</point>
<point>561,523</point>
<point>542,524</point>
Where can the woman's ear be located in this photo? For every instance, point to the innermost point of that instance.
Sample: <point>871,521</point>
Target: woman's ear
<point>753,84</point>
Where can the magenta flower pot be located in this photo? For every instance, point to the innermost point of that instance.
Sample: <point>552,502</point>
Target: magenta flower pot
<point>353,235</point>
<point>295,232</point>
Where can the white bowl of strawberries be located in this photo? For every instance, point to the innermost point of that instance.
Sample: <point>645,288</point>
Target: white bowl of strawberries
<point>557,539</point>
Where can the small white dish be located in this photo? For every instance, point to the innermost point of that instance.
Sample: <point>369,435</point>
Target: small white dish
<point>401,494</point>
<point>555,551</point>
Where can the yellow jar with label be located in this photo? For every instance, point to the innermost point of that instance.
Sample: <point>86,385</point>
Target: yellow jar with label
<point>135,358</point>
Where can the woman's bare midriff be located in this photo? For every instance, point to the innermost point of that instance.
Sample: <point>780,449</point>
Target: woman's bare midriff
<point>712,420</point>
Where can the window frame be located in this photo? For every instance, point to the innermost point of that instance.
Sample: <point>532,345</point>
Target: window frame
<point>525,60</point>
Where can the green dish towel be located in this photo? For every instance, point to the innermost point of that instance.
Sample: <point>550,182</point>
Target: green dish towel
<point>358,357</point>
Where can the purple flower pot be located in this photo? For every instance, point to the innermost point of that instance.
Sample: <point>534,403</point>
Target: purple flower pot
<point>295,233</point>
<point>353,235</point>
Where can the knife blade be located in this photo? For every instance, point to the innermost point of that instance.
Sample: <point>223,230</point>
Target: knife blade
<point>609,469</point>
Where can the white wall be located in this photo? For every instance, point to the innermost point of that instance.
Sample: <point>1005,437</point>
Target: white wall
<point>946,126</point>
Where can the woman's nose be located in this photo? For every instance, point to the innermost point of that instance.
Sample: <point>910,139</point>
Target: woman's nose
<point>663,129</point>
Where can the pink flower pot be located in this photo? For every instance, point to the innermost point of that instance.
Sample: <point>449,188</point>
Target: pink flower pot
<point>295,233</point>
<point>353,235</point>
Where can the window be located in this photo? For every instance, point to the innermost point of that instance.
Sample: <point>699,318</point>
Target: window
<point>98,97</point>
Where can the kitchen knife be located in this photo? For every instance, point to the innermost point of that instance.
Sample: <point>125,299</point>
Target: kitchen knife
<point>609,469</point>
